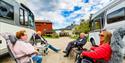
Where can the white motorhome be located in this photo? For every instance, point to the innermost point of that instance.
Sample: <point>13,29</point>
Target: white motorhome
<point>110,17</point>
<point>14,16</point>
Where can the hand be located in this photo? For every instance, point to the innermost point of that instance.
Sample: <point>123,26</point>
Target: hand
<point>36,52</point>
<point>36,48</point>
<point>81,56</point>
<point>75,43</point>
<point>85,49</point>
<point>47,44</point>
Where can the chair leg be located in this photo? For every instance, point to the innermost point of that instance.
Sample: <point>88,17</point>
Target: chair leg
<point>31,61</point>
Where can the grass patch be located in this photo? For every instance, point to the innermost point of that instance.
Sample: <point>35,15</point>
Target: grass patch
<point>54,35</point>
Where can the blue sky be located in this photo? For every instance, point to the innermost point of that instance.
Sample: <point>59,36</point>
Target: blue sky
<point>64,12</point>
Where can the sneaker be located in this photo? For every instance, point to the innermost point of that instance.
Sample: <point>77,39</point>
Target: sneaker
<point>65,55</point>
<point>58,50</point>
<point>64,52</point>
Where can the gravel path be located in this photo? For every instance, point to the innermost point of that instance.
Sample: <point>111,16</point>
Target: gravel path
<point>54,57</point>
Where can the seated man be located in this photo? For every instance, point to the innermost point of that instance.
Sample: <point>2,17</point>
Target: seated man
<point>77,43</point>
<point>38,38</point>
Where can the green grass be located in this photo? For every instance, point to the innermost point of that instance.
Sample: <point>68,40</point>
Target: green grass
<point>51,36</point>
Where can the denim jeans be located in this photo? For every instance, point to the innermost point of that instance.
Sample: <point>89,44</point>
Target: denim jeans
<point>37,58</point>
<point>52,48</point>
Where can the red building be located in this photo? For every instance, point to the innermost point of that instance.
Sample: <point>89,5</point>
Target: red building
<point>45,26</point>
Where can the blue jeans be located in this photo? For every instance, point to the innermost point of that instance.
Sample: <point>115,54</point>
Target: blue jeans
<point>53,48</point>
<point>37,58</point>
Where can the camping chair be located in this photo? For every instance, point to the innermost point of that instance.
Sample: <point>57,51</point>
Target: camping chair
<point>93,42</point>
<point>10,41</point>
<point>117,45</point>
<point>43,48</point>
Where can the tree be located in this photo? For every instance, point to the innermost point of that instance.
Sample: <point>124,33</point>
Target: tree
<point>83,27</point>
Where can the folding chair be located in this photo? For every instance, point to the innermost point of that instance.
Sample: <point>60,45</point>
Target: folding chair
<point>42,47</point>
<point>10,41</point>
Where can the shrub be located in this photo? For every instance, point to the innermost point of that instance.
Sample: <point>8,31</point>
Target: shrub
<point>74,36</point>
<point>55,35</point>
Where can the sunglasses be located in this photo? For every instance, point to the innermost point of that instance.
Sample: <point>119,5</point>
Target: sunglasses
<point>101,35</point>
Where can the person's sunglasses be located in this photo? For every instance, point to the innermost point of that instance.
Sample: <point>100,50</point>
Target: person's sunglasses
<point>101,35</point>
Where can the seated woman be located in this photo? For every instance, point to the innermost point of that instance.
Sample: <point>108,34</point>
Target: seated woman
<point>79,42</point>
<point>23,50</point>
<point>103,51</point>
<point>38,38</point>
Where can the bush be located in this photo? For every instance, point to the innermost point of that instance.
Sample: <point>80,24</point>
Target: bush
<point>47,35</point>
<point>83,27</point>
<point>54,35</point>
<point>74,36</point>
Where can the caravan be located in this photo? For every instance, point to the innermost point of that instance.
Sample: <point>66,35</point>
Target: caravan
<point>110,18</point>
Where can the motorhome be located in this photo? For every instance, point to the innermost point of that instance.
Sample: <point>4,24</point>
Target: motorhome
<point>110,17</point>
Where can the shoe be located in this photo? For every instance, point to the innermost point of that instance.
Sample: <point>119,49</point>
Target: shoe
<point>58,50</point>
<point>64,52</point>
<point>65,55</point>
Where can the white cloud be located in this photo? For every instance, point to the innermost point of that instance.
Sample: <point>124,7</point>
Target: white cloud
<point>52,16</point>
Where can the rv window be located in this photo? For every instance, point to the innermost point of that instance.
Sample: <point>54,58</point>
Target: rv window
<point>116,16</point>
<point>97,24</point>
<point>92,25</point>
<point>26,17</point>
<point>6,10</point>
<point>21,16</point>
<point>31,20</point>
<point>102,21</point>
